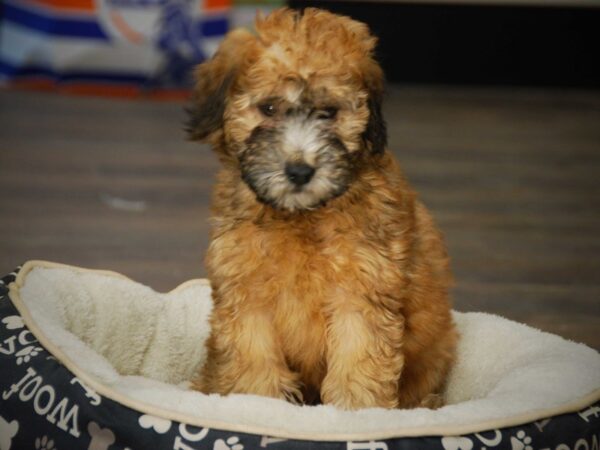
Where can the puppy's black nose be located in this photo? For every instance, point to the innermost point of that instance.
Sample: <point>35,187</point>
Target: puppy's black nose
<point>299,173</point>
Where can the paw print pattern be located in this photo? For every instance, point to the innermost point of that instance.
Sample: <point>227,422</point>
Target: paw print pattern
<point>233,443</point>
<point>521,441</point>
<point>25,355</point>
<point>13,322</point>
<point>44,444</point>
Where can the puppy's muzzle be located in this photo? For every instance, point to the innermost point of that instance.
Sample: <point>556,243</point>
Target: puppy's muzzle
<point>299,173</point>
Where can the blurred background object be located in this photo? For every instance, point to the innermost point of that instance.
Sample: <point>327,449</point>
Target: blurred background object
<point>112,47</point>
<point>493,111</point>
<point>108,46</point>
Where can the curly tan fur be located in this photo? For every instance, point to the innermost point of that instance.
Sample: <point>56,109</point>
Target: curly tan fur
<point>336,291</point>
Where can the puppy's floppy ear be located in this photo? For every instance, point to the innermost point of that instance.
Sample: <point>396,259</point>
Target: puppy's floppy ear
<point>213,81</point>
<point>376,132</point>
<point>205,115</point>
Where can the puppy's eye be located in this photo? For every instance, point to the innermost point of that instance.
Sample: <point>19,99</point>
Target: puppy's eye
<point>327,113</point>
<point>267,109</point>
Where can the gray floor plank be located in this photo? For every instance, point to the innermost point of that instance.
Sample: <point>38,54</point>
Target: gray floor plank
<point>511,175</point>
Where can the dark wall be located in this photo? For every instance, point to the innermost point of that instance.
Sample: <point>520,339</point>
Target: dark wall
<point>481,44</point>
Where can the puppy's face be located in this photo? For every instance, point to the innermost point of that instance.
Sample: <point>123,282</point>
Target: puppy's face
<point>296,108</point>
<point>297,143</point>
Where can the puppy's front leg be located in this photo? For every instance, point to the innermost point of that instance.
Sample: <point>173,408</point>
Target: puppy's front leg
<point>243,357</point>
<point>364,357</point>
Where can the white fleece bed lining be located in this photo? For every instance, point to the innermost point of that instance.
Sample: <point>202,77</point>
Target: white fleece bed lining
<point>542,375</point>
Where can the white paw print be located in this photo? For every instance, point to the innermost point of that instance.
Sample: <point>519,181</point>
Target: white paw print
<point>233,443</point>
<point>13,322</point>
<point>44,444</point>
<point>521,441</point>
<point>25,355</point>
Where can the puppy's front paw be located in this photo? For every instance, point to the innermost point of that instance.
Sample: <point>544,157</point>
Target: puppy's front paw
<point>432,401</point>
<point>293,394</point>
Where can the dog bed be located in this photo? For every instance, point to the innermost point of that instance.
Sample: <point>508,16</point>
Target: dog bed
<point>92,360</point>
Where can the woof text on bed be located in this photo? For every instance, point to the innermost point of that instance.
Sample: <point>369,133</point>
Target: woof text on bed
<point>31,388</point>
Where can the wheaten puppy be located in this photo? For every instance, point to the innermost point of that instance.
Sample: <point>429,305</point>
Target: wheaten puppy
<point>330,280</point>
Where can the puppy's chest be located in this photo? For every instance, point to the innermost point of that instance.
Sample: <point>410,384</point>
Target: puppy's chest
<point>302,272</point>
<point>301,269</point>
<point>301,275</point>
<point>307,264</point>
<point>305,283</point>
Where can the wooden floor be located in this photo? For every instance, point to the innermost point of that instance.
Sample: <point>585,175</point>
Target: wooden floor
<point>512,177</point>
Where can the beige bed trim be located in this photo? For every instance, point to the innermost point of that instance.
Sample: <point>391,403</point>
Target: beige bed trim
<point>145,408</point>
